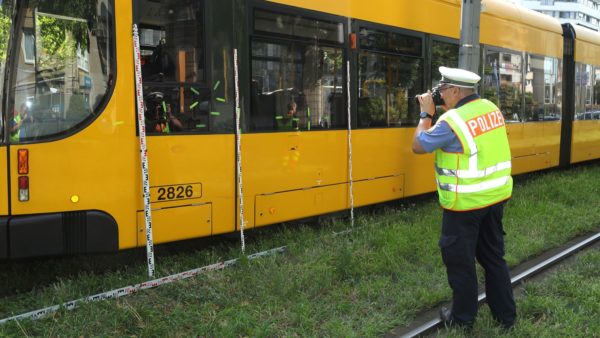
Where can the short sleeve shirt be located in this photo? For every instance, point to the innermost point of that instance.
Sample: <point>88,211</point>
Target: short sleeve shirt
<point>441,136</point>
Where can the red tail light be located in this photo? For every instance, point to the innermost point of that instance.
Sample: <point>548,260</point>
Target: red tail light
<point>23,156</point>
<point>23,188</point>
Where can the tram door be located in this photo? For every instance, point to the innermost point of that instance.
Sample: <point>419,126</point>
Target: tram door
<point>188,96</point>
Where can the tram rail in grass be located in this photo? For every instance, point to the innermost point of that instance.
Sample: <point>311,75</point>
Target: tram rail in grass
<point>434,324</point>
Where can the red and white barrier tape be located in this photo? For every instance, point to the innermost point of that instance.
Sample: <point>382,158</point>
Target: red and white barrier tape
<point>128,290</point>
<point>143,151</point>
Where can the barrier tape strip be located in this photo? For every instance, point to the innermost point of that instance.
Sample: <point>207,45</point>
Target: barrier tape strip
<point>350,168</point>
<point>131,289</point>
<point>143,151</point>
<point>238,141</point>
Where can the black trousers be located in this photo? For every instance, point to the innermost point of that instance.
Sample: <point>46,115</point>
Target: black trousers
<point>477,234</point>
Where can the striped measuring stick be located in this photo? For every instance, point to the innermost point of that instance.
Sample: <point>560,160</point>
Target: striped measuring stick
<point>143,150</point>
<point>350,162</point>
<point>238,141</point>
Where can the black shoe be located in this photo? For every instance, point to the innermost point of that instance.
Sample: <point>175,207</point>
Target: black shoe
<point>507,327</point>
<point>449,322</point>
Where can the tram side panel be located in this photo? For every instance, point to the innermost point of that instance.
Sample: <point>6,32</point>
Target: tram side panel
<point>522,75</point>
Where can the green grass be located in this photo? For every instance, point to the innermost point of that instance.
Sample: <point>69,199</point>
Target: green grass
<point>564,304</point>
<point>357,285</point>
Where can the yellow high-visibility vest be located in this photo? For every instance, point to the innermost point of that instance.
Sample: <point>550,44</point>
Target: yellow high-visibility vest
<point>15,136</point>
<point>481,175</point>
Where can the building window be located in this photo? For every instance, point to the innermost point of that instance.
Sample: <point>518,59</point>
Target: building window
<point>28,45</point>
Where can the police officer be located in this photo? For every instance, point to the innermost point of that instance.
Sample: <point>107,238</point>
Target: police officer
<point>473,174</point>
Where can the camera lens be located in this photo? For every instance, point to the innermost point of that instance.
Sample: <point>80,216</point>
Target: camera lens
<point>437,97</point>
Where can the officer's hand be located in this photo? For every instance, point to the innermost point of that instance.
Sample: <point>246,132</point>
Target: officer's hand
<point>426,103</point>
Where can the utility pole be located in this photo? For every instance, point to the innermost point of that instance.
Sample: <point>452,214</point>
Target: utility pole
<point>469,52</point>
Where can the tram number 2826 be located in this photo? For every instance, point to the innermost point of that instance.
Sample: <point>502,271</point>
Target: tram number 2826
<point>176,192</point>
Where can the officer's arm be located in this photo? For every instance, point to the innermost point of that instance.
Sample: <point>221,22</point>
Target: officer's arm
<point>426,105</point>
<point>424,125</point>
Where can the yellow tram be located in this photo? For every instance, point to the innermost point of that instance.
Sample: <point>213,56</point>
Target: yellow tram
<point>69,155</point>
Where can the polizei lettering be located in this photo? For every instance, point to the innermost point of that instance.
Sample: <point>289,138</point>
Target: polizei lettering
<point>485,123</point>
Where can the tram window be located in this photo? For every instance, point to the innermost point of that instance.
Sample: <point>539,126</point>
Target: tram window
<point>596,95</point>
<point>389,82</point>
<point>390,42</point>
<point>542,89</point>
<point>5,23</point>
<point>297,84</point>
<point>584,88</point>
<point>64,64</point>
<point>177,99</point>
<point>297,26</point>
<point>503,82</point>
<point>171,40</point>
<point>442,54</point>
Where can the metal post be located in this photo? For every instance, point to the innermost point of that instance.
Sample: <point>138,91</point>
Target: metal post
<point>468,57</point>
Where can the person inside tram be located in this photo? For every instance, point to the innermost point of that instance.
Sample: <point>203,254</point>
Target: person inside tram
<point>161,61</point>
<point>290,120</point>
<point>18,123</point>
<point>159,115</point>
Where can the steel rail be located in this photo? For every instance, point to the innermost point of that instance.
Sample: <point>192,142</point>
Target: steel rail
<point>429,326</point>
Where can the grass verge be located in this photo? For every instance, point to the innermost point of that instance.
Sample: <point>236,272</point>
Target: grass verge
<point>564,304</point>
<point>358,285</point>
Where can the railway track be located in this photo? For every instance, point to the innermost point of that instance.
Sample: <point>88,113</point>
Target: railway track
<point>426,325</point>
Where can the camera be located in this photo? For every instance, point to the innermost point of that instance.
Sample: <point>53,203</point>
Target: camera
<point>436,96</point>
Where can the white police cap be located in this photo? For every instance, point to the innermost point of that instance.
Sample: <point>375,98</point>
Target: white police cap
<point>458,77</point>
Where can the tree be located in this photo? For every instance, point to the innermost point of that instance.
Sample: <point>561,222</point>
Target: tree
<point>4,29</point>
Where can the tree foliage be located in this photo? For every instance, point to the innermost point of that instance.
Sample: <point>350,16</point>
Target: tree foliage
<point>60,39</point>
<point>4,29</point>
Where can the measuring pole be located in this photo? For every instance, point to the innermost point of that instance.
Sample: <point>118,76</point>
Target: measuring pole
<point>350,162</point>
<point>143,150</point>
<point>238,144</point>
<point>469,52</point>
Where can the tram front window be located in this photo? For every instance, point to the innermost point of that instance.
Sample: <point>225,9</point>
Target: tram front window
<point>62,57</point>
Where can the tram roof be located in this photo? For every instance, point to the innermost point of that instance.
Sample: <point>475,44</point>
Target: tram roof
<point>521,15</point>
<point>586,34</point>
